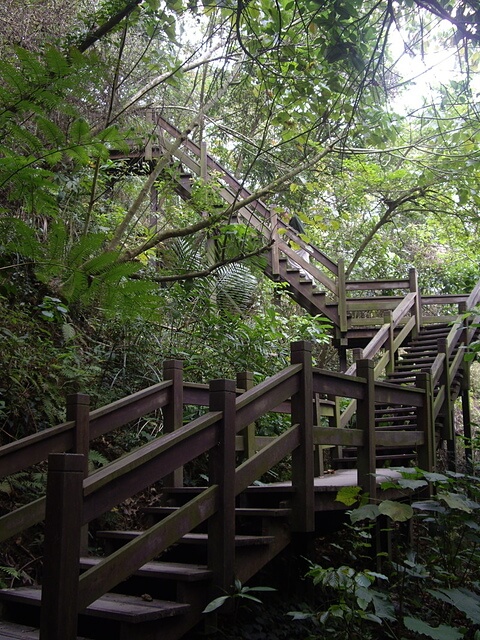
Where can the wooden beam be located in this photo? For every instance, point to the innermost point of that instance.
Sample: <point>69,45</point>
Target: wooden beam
<point>62,547</point>
<point>303,508</point>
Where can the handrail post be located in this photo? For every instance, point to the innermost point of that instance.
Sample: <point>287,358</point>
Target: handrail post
<point>203,161</point>
<point>417,309</point>
<point>173,411</point>
<point>78,410</point>
<point>426,453</point>
<point>388,319</point>
<point>245,382</point>
<point>303,512</point>
<point>63,518</point>
<point>342,296</point>
<point>148,144</point>
<point>221,526</point>
<point>274,238</point>
<point>367,463</point>
<point>448,432</point>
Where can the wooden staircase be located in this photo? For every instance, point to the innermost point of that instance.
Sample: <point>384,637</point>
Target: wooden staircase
<point>417,356</point>
<point>165,597</point>
<point>153,582</point>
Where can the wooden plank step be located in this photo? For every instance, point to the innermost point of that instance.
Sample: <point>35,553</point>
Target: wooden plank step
<point>393,456</point>
<point>411,366</point>
<point>427,344</point>
<point>189,538</point>
<point>395,410</point>
<point>397,427</point>
<point>417,357</point>
<point>382,416</point>
<point>112,606</point>
<point>15,631</point>
<point>239,511</point>
<point>162,570</point>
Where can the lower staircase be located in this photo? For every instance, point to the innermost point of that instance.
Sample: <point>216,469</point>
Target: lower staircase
<point>165,598</point>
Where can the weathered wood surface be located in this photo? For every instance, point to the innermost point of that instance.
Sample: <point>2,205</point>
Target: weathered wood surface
<point>113,606</point>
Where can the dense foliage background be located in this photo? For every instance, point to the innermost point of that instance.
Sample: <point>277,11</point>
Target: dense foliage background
<point>327,108</point>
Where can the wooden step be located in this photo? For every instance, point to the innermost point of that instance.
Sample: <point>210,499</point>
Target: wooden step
<point>417,357</point>
<point>15,631</point>
<point>189,538</point>
<point>383,416</point>
<point>239,511</point>
<point>395,410</point>
<point>397,427</point>
<point>393,456</point>
<point>162,570</point>
<point>111,606</point>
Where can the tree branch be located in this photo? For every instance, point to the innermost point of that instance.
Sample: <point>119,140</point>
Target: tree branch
<point>105,28</point>
<point>211,269</point>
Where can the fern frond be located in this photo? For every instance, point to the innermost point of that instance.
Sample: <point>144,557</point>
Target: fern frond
<point>56,61</point>
<point>85,248</point>
<point>18,237</point>
<point>79,131</point>
<point>53,135</point>
<point>101,263</point>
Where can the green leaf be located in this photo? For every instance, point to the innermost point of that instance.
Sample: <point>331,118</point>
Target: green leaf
<point>79,131</point>
<point>367,512</point>
<point>462,599</point>
<point>397,511</point>
<point>435,477</point>
<point>442,632</point>
<point>215,604</point>
<point>348,495</point>
<point>458,501</point>
<point>428,505</point>
<point>405,483</point>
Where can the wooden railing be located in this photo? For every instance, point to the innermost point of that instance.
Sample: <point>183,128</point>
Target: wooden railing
<point>215,434</point>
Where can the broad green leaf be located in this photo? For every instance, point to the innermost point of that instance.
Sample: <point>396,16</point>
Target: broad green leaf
<point>405,483</point>
<point>442,632</point>
<point>462,599</point>
<point>397,511</point>
<point>458,501</point>
<point>428,505</point>
<point>435,477</point>
<point>348,495</point>
<point>367,512</point>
